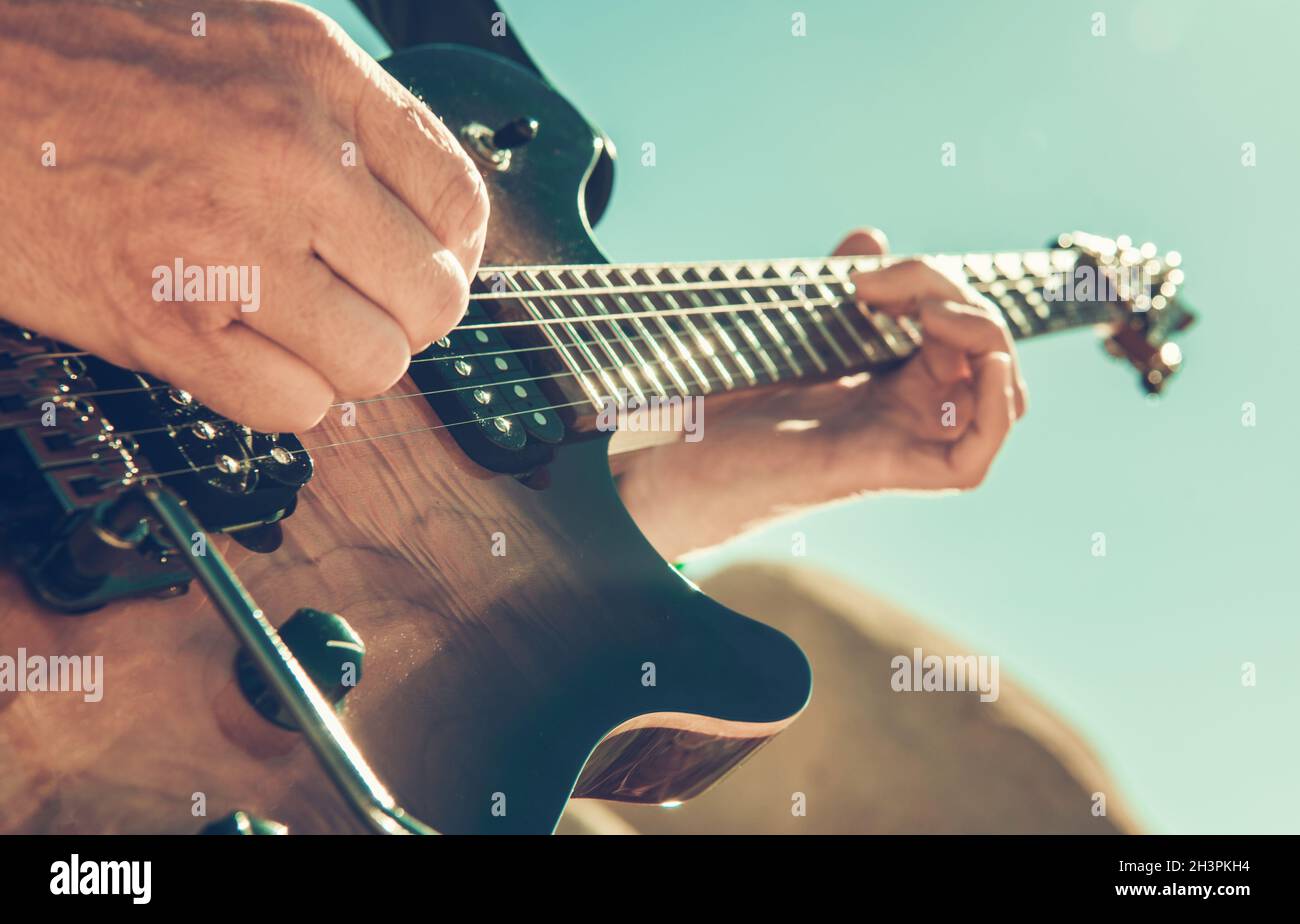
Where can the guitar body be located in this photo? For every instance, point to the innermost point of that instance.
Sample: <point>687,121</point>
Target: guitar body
<point>490,681</point>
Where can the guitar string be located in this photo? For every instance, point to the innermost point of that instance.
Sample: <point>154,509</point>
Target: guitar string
<point>689,287</point>
<point>371,439</point>
<point>783,367</point>
<point>367,439</point>
<point>649,337</point>
<point>364,439</point>
<point>745,352</point>
<point>742,285</point>
<point>893,355</point>
<point>728,309</point>
<point>542,294</point>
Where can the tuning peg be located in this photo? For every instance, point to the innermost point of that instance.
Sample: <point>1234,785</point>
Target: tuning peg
<point>328,649</point>
<point>244,823</point>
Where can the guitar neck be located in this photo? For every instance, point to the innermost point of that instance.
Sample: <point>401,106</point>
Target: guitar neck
<point>705,328</point>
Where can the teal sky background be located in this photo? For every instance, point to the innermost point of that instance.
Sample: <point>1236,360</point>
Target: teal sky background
<point>772,145</point>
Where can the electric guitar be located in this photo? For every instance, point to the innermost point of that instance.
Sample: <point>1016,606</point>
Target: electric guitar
<point>493,635</point>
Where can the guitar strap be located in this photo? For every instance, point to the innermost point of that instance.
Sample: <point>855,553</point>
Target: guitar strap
<point>458,22</point>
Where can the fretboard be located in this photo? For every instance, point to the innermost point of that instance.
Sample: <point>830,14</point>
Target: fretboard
<point>701,329</point>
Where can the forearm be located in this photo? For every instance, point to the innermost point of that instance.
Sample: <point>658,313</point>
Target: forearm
<point>748,470</point>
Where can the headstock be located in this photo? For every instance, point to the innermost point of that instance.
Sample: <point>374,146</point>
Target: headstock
<point>1140,288</point>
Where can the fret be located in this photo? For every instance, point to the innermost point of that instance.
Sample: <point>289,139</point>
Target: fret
<point>685,355</point>
<point>763,321</point>
<point>624,372</point>
<point>1010,294</point>
<point>978,267</point>
<point>536,278</point>
<point>716,323</point>
<point>702,343</point>
<point>791,321</point>
<point>651,342</point>
<point>1017,319</point>
<point>737,322</point>
<point>1038,263</point>
<point>638,362</point>
<point>899,341</point>
<point>1024,295</point>
<point>799,284</point>
<point>699,329</point>
<point>870,346</point>
<point>829,318</point>
<point>1008,266</point>
<point>512,280</point>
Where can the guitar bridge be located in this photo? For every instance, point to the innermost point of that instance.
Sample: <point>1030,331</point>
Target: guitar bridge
<point>76,432</point>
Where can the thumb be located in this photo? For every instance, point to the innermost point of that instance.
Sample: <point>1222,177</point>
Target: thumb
<point>863,242</point>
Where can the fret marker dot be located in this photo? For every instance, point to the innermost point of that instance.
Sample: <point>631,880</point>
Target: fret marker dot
<point>502,364</point>
<point>481,336</point>
<point>521,391</point>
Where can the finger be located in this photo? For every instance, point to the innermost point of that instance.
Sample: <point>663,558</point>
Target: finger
<point>953,324</point>
<point>369,237</point>
<point>904,281</point>
<point>241,375</point>
<point>411,152</point>
<point>917,285</point>
<point>863,242</point>
<point>993,415</point>
<point>359,348</point>
<point>946,365</point>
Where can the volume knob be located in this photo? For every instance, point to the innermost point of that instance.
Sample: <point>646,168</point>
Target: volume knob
<point>328,649</point>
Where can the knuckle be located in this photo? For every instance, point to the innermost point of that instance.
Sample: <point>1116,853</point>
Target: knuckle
<point>311,402</point>
<point>427,317</point>
<point>304,416</point>
<point>455,301</point>
<point>916,266</point>
<point>972,478</point>
<point>300,24</point>
<point>465,197</point>
<point>381,365</point>
<point>271,106</point>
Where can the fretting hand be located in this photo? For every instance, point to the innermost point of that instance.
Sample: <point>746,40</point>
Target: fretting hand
<point>936,424</point>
